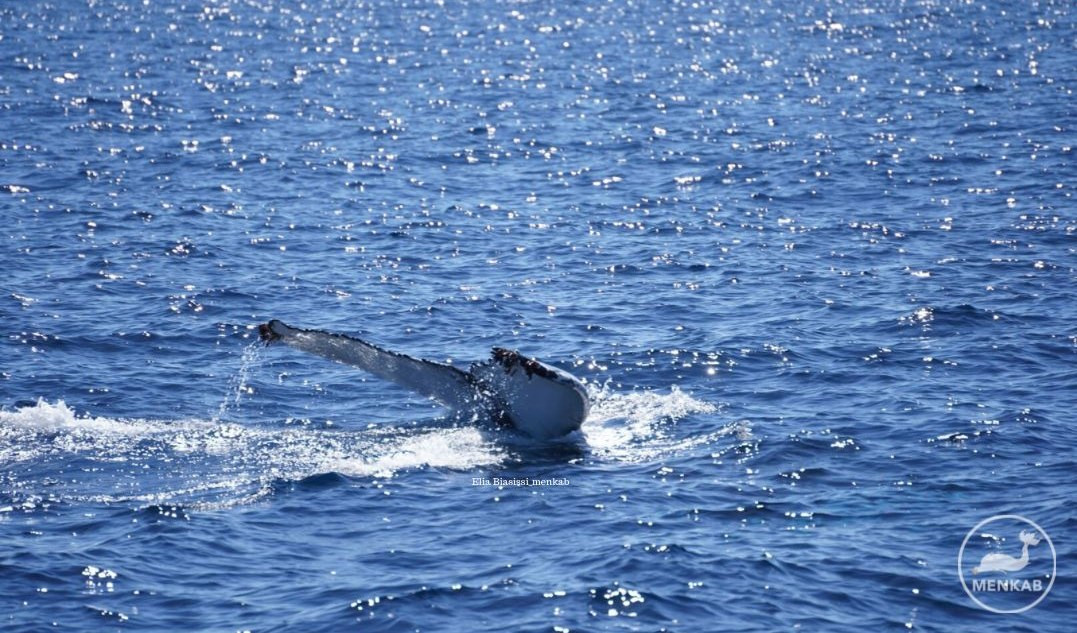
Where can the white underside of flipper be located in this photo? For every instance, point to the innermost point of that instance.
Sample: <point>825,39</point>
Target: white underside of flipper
<point>538,399</point>
<point>544,403</point>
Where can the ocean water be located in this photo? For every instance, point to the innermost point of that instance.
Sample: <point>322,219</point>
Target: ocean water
<point>815,262</point>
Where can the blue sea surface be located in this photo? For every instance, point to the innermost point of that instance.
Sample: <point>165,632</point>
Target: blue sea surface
<point>815,262</point>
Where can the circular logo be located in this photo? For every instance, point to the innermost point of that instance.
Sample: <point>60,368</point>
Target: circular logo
<point>1004,566</point>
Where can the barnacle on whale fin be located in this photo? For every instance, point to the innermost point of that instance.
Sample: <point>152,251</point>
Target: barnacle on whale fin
<point>266,333</point>
<point>510,358</point>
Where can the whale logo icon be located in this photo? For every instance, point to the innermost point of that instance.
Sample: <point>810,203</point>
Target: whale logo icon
<point>1002,582</point>
<point>996,561</point>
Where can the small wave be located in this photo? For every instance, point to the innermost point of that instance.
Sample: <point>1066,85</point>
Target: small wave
<point>948,318</point>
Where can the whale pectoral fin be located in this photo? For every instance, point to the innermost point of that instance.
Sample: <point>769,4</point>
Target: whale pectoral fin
<point>444,383</point>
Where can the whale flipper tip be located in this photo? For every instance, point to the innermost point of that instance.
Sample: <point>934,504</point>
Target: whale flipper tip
<point>266,332</point>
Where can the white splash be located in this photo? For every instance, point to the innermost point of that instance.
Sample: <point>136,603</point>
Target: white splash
<point>209,464</point>
<point>237,386</point>
<point>635,426</point>
<point>457,449</point>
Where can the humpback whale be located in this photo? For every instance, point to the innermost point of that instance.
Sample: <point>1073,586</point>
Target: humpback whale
<point>540,400</point>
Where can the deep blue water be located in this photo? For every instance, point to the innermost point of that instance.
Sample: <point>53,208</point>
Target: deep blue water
<point>816,263</point>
